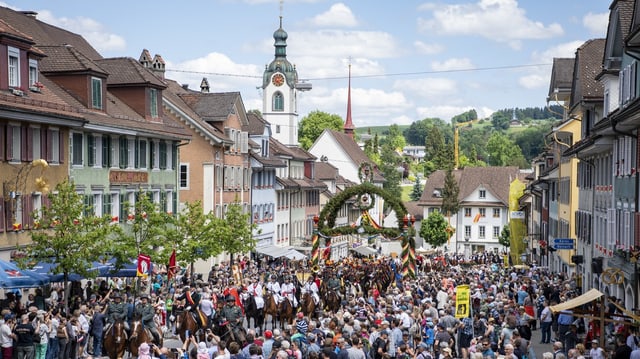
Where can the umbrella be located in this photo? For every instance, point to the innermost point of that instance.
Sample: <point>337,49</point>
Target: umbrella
<point>46,269</point>
<point>13,277</point>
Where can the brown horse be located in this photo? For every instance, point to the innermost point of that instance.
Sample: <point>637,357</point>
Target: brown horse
<point>307,305</point>
<point>187,321</point>
<point>332,300</point>
<point>286,312</point>
<point>271,309</point>
<point>140,335</point>
<point>115,340</point>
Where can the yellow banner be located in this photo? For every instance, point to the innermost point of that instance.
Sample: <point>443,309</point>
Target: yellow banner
<point>462,301</point>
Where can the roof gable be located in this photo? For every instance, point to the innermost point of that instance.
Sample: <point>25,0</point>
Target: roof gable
<point>587,66</point>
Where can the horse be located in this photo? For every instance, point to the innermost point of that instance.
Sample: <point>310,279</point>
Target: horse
<point>307,305</point>
<point>187,321</point>
<point>286,312</point>
<point>332,300</point>
<point>140,335</point>
<point>251,311</point>
<point>271,309</point>
<point>115,340</point>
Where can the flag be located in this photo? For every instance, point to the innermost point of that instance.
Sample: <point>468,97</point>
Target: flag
<point>171,269</point>
<point>144,265</point>
<point>462,301</point>
<point>476,218</point>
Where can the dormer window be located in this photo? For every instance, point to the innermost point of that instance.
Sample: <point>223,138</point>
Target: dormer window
<point>33,72</point>
<point>14,67</point>
<point>153,97</point>
<point>96,93</point>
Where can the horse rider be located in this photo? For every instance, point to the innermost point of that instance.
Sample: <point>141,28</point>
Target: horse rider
<point>233,314</point>
<point>334,284</point>
<point>312,288</point>
<point>116,310</point>
<point>144,311</point>
<point>255,289</point>
<point>191,299</point>
<point>288,290</point>
<point>274,287</point>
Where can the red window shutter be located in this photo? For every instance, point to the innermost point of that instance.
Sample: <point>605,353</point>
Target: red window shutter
<point>9,143</point>
<point>62,146</point>
<point>29,144</point>
<point>2,214</point>
<point>24,139</point>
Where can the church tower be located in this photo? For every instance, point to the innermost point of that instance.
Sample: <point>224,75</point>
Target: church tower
<point>279,90</point>
<point>349,128</point>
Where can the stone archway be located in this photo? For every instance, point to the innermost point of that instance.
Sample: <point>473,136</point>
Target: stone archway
<point>364,193</point>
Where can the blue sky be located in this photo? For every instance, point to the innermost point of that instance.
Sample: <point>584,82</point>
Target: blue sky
<point>410,59</point>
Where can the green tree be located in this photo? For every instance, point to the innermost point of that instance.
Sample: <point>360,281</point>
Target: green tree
<point>144,232</point>
<point>238,236</point>
<point>450,201</point>
<point>416,192</point>
<point>417,131</point>
<point>500,121</point>
<point>394,138</point>
<point>68,235</point>
<point>434,230</point>
<point>312,125</point>
<point>505,236</point>
<point>389,165</point>
<point>465,117</point>
<point>504,152</point>
<point>195,234</point>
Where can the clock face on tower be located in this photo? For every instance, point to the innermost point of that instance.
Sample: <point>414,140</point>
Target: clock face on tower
<point>277,79</point>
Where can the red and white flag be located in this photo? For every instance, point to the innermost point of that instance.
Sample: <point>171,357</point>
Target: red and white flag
<point>144,265</point>
<point>171,268</point>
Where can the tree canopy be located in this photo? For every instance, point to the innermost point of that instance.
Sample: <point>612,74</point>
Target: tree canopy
<point>312,125</point>
<point>434,230</point>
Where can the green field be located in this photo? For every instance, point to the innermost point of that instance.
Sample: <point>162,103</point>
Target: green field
<point>378,129</point>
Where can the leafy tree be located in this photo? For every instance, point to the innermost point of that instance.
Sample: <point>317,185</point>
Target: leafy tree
<point>394,138</point>
<point>416,193</point>
<point>434,230</point>
<point>238,236</point>
<point>450,201</point>
<point>68,235</point>
<point>312,125</point>
<point>195,234</point>
<point>437,151</point>
<point>465,117</point>
<point>500,121</point>
<point>505,236</point>
<point>144,231</point>
<point>389,163</point>
<point>504,152</point>
<point>531,141</point>
<point>417,131</point>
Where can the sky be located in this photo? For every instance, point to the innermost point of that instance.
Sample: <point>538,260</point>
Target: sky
<point>409,59</point>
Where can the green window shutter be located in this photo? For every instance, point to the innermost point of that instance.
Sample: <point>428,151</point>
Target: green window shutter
<point>163,155</point>
<point>106,204</point>
<point>91,153</point>
<point>123,208</point>
<point>123,152</point>
<point>136,153</point>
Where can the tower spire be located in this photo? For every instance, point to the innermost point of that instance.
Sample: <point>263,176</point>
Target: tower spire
<point>348,125</point>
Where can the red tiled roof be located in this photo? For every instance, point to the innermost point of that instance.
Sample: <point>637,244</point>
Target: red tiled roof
<point>127,71</point>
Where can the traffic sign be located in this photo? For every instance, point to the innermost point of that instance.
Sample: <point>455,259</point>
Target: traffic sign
<point>563,243</point>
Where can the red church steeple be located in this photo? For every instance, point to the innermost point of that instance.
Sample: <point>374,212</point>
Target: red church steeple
<point>348,125</point>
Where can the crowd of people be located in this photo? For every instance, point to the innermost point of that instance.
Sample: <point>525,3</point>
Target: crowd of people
<point>410,318</point>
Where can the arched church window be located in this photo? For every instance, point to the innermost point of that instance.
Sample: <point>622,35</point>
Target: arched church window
<point>278,102</point>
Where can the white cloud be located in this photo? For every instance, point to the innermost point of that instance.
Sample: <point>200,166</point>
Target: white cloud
<point>452,64</point>
<point>339,15</point>
<point>567,49</point>
<point>534,81</point>
<point>91,30</point>
<point>596,23</point>
<point>216,63</point>
<point>428,49</point>
<point>499,20</point>
<point>427,88</point>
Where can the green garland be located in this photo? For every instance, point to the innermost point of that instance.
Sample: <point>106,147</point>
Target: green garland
<point>327,222</point>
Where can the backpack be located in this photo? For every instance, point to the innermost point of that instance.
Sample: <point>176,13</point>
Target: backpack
<point>374,348</point>
<point>415,329</point>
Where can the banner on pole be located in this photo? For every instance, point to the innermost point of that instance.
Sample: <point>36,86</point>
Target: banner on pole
<point>171,268</point>
<point>144,265</point>
<point>462,301</point>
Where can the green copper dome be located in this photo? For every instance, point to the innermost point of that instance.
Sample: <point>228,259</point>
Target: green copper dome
<point>280,62</point>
